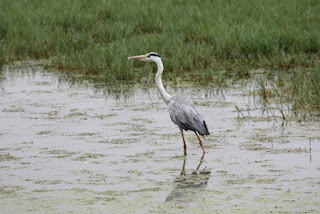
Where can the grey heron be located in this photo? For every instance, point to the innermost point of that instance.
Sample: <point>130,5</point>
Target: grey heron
<point>183,112</point>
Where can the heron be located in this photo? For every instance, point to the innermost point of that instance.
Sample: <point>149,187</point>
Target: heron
<point>183,112</point>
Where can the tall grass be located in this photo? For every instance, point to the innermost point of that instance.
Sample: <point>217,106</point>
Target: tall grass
<point>305,90</point>
<point>204,40</point>
<point>301,88</point>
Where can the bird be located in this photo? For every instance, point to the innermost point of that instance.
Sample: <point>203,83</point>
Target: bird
<point>183,112</point>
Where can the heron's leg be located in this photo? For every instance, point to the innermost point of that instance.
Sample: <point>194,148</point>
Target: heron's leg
<point>184,141</point>
<point>201,144</point>
<point>201,161</point>
<point>183,171</point>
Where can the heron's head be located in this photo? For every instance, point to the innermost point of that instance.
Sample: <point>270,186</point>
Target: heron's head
<point>149,57</point>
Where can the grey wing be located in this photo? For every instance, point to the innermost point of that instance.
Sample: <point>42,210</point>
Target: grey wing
<point>185,114</point>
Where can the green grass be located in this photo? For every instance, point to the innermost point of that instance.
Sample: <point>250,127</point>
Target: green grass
<point>208,41</point>
<point>300,88</point>
<point>305,90</point>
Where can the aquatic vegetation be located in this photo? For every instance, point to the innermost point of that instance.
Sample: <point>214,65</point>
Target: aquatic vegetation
<point>297,90</point>
<point>302,90</point>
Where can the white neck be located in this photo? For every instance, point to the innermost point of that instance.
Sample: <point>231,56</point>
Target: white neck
<point>165,96</point>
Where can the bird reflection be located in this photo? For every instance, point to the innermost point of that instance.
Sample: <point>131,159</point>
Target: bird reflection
<point>187,186</point>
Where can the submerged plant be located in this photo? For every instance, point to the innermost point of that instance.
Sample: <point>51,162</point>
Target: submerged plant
<point>239,111</point>
<point>263,90</point>
<point>304,91</point>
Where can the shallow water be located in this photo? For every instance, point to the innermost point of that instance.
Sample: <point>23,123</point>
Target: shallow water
<point>71,146</point>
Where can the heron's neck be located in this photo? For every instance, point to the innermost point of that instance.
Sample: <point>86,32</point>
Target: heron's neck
<point>165,96</point>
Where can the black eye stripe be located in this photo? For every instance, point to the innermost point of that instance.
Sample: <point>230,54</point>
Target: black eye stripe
<point>154,54</point>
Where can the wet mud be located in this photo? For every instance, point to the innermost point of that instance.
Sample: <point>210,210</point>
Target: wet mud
<point>71,146</point>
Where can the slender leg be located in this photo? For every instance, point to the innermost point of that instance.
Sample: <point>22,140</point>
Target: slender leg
<point>184,142</point>
<point>200,143</point>
<point>201,161</point>
<point>183,171</point>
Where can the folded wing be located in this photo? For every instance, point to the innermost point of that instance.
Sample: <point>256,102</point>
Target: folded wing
<point>185,114</point>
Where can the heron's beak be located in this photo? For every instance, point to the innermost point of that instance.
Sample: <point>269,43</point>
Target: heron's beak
<point>141,57</point>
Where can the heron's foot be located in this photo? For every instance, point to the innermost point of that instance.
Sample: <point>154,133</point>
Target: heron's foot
<point>201,161</point>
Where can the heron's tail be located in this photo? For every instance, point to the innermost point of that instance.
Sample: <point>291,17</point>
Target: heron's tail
<point>204,129</point>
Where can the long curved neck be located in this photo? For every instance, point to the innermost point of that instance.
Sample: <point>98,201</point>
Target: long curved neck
<point>165,96</point>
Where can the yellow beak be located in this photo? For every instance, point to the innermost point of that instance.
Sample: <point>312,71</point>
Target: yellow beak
<point>138,57</point>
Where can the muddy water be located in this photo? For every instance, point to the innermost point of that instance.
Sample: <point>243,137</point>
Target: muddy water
<point>71,146</point>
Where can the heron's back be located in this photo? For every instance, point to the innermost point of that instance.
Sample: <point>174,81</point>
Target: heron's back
<point>185,114</point>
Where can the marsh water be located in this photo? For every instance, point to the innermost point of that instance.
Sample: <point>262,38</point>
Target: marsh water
<point>75,146</point>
